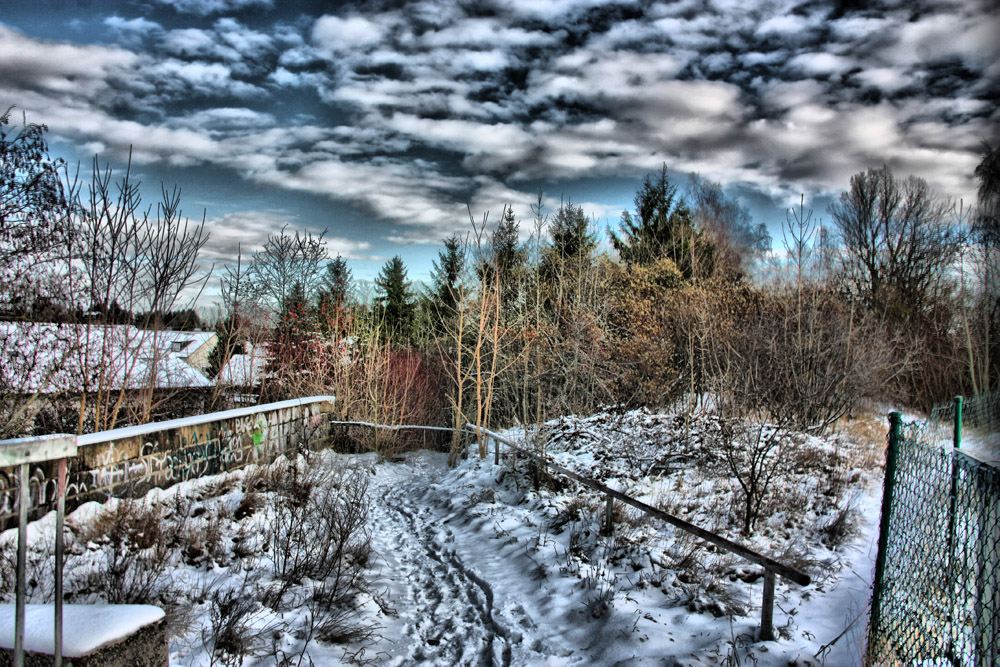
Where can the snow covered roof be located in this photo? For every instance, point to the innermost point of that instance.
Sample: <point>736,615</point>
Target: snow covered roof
<point>245,370</point>
<point>185,343</point>
<point>49,358</point>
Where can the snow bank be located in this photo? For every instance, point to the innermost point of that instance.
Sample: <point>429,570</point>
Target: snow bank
<point>86,627</point>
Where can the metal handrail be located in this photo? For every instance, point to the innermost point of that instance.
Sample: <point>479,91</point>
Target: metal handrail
<point>771,566</point>
<point>22,452</point>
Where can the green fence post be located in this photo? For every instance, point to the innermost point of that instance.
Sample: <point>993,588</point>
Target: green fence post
<point>891,455</point>
<point>957,438</point>
<point>954,564</point>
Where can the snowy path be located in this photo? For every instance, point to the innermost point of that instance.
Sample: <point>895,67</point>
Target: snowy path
<point>461,597</point>
<point>446,610</point>
<point>475,581</point>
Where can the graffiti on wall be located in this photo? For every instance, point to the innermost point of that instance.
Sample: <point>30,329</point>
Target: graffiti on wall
<point>165,458</point>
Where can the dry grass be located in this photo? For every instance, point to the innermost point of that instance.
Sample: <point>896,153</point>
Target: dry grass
<point>866,437</point>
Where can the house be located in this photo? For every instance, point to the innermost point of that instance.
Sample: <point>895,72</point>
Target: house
<point>50,358</point>
<point>245,370</point>
<point>194,347</point>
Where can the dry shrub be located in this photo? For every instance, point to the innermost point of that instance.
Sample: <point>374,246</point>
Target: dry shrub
<point>640,324</point>
<point>843,525</point>
<point>234,637</point>
<point>318,533</point>
<point>135,544</point>
<point>865,441</point>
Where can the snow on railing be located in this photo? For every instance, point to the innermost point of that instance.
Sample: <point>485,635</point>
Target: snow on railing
<point>771,566</point>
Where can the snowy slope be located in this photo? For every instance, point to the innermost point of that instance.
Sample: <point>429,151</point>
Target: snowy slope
<point>473,565</point>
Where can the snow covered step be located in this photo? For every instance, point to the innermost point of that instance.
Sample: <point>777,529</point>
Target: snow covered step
<point>93,634</point>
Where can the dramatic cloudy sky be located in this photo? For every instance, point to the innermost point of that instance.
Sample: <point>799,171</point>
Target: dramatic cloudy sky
<point>383,121</point>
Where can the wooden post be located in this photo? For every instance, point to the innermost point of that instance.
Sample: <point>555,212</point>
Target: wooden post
<point>22,557</point>
<point>496,452</point>
<point>767,608</point>
<point>609,522</point>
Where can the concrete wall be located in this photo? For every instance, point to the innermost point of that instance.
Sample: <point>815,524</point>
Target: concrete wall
<point>134,459</point>
<point>146,647</point>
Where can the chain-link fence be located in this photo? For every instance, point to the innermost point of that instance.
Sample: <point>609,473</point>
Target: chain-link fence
<point>936,595</point>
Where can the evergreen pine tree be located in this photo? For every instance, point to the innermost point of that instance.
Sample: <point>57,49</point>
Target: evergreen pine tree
<point>662,227</point>
<point>508,257</point>
<point>333,297</point>
<point>445,277</point>
<point>571,235</point>
<point>395,300</point>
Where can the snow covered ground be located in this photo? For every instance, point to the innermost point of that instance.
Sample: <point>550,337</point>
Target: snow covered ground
<point>472,565</point>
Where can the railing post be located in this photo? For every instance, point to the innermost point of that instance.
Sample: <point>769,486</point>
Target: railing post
<point>60,520</point>
<point>892,452</point>
<point>767,608</point>
<point>496,452</point>
<point>609,524</point>
<point>22,452</point>
<point>22,557</point>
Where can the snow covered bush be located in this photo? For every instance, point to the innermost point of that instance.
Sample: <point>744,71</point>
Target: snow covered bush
<point>268,562</point>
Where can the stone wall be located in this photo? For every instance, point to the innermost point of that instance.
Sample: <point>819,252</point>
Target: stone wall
<point>130,461</point>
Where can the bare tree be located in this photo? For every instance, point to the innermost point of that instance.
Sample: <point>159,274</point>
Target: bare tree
<point>285,260</point>
<point>899,242</point>
<point>981,279</point>
<point>737,242</point>
<point>36,204</point>
<point>130,261</point>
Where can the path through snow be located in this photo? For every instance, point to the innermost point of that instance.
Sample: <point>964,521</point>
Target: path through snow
<point>474,581</point>
<point>449,611</point>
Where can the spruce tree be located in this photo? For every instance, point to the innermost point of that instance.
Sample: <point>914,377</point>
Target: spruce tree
<point>337,281</point>
<point>571,235</point>
<point>508,258</point>
<point>445,278</point>
<point>662,227</point>
<point>333,297</point>
<point>395,300</point>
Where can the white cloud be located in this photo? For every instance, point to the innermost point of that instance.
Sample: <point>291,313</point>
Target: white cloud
<point>889,79</point>
<point>553,9</point>
<point>194,42</point>
<point>242,39</point>
<point>412,194</point>
<point>619,75</point>
<point>494,142</point>
<point>201,78</point>
<point>336,34</point>
<point>246,232</point>
<point>857,27</point>
<point>137,26</point>
<point>209,7</point>
<point>817,63</point>
<point>28,64</point>
<point>224,119</point>
<point>482,33</point>
<point>783,26</point>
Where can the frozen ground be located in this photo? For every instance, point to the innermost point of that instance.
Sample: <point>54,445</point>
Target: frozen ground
<point>474,566</point>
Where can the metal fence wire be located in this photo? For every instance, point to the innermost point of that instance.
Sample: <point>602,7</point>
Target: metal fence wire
<point>936,594</point>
